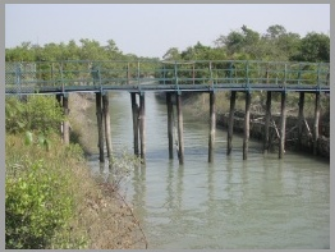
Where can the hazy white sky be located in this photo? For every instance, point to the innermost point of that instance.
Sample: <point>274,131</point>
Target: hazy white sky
<point>151,29</point>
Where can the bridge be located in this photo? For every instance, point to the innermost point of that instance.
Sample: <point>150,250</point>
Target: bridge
<point>173,78</point>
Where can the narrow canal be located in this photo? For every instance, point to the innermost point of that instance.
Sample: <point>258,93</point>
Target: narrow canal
<point>259,203</point>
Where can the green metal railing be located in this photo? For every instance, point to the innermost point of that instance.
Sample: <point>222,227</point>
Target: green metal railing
<point>26,76</point>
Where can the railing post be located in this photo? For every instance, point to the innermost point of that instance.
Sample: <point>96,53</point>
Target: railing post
<point>176,75</point>
<point>128,74</point>
<point>285,73</point>
<point>299,74</point>
<point>211,73</point>
<point>193,73</point>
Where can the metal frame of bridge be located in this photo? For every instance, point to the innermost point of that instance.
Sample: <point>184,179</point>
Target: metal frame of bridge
<point>173,77</point>
<point>164,76</point>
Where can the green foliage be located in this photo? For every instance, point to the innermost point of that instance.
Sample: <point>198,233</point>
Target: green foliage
<point>37,204</point>
<point>38,113</point>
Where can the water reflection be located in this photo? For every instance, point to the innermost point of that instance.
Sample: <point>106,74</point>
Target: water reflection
<point>259,203</point>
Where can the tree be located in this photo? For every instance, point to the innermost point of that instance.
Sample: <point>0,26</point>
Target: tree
<point>314,47</point>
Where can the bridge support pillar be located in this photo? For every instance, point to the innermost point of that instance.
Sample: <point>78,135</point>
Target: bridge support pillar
<point>231,122</point>
<point>266,143</point>
<point>60,102</point>
<point>135,112</point>
<point>66,125</point>
<point>180,129</point>
<point>99,113</point>
<point>316,123</point>
<point>142,127</point>
<point>282,126</point>
<point>107,120</point>
<point>301,119</point>
<point>246,125</point>
<point>212,126</point>
<point>170,120</point>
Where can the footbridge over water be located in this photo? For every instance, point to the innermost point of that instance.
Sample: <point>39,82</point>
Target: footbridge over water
<point>173,78</point>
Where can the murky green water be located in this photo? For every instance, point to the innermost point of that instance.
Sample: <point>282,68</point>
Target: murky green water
<point>259,203</point>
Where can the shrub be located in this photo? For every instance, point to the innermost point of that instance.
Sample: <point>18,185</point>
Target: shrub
<point>37,204</point>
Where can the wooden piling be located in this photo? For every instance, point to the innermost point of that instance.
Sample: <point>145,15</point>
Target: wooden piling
<point>60,103</point>
<point>246,125</point>
<point>142,127</point>
<point>266,140</point>
<point>180,129</point>
<point>169,106</point>
<point>301,118</point>
<point>212,126</point>
<point>135,112</point>
<point>107,120</point>
<point>231,122</point>
<point>66,124</point>
<point>316,123</point>
<point>282,125</point>
<point>99,114</point>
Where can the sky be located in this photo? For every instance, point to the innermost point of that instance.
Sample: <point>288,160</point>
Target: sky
<point>151,29</point>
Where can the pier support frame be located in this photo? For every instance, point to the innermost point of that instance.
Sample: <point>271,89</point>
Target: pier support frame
<point>282,125</point>
<point>266,140</point>
<point>231,122</point>
<point>135,113</point>
<point>107,120</point>
<point>212,127</point>
<point>180,128</point>
<point>142,127</point>
<point>99,113</point>
<point>246,125</point>
<point>170,119</point>
<point>316,123</point>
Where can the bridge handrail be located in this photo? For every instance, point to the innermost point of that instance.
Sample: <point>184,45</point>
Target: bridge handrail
<point>21,75</point>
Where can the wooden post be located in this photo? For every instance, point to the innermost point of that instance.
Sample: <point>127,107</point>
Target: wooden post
<point>66,125</point>
<point>142,126</point>
<point>266,143</point>
<point>100,127</point>
<point>246,125</point>
<point>60,102</point>
<point>135,112</point>
<point>212,126</point>
<point>170,123</point>
<point>107,120</point>
<point>180,129</point>
<point>316,123</point>
<point>231,122</point>
<point>301,118</point>
<point>282,126</point>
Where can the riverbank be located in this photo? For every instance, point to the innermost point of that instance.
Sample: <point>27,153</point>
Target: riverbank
<point>111,222</point>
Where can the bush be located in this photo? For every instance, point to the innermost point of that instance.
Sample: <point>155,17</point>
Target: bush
<point>37,204</point>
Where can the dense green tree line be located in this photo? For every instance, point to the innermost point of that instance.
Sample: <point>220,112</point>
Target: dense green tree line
<point>276,44</point>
